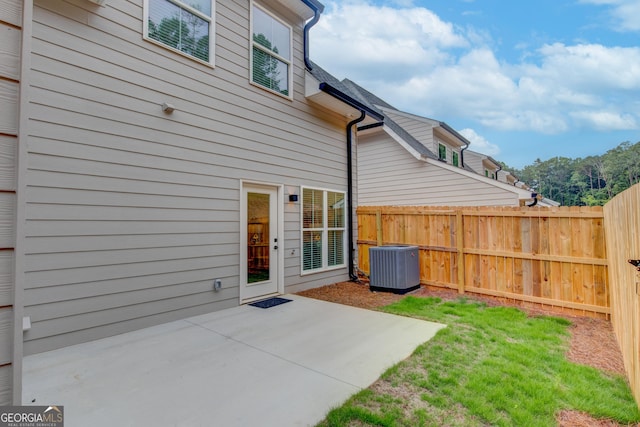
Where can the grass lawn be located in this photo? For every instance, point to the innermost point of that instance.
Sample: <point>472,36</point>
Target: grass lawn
<point>490,366</point>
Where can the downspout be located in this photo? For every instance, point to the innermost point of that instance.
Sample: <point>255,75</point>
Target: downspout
<point>317,10</point>
<point>498,171</point>
<point>462,154</point>
<point>364,110</point>
<point>352,275</point>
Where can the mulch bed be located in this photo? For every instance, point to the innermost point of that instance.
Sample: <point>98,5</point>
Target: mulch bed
<point>593,342</point>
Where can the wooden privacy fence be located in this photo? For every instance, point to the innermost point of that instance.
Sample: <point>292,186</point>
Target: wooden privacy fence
<point>550,256</point>
<point>622,224</point>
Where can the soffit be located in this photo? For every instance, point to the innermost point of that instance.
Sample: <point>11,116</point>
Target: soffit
<point>296,7</point>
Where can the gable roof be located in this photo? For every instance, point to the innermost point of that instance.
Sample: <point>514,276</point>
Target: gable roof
<point>382,106</point>
<point>367,96</point>
<point>331,93</point>
<point>372,102</point>
<point>379,105</point>
<point>484,157</point>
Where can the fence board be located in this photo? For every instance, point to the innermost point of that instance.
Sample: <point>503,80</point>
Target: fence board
<point>550,256</point>
<point>622,226</point>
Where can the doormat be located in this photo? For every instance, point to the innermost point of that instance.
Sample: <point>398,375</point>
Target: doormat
<point>270,302</point>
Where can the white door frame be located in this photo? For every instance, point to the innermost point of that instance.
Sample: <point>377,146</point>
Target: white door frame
<point>279,276</point>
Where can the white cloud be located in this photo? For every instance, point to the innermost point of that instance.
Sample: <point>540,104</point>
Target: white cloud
<point>479,143</point>
<point>389,43</point>
<point>625,13</point>
<point>421,64</point>
<point>606,120</point>
<point>590,66</point>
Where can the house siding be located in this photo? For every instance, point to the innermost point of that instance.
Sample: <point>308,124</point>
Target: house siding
<point>131,213</point>
<point>422,130</point>
<point>10,51</point>
<point>474,161</point>
<point>389,175</point>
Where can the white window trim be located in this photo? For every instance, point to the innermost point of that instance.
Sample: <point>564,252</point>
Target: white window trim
<point>212,31</point>
<point>325,233</point>
<point>453,154</point>
<point>275,55</point>
<point>446,152</point>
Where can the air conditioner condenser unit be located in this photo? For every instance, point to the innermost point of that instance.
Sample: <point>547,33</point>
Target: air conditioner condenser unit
<point>394,268</point>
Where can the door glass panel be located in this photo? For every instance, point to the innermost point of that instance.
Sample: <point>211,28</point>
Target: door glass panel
<point>258,242</point>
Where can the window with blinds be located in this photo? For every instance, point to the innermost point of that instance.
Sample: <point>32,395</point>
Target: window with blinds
<point>323,229</point>
<point>271,51</point>
<point>186,26</point>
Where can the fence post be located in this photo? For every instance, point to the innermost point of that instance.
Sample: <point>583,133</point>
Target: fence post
<point>379,227</point>
<point>460,247</point>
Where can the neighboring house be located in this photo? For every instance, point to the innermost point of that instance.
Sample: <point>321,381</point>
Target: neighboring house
<point>508,177</point>
<point>159,161</point>
<point>483,164</point>
<point>413,160</point>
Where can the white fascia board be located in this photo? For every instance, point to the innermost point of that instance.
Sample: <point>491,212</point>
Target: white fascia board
<point>426,120</point>
<point>403,143</point>
<point>522,194</point>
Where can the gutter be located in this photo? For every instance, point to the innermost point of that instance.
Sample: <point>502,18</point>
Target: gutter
<point>317,8</point>
<point>364,111</point>
<point>338,94</point>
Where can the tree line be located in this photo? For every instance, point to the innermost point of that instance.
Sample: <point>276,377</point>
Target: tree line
<point>588,181</point>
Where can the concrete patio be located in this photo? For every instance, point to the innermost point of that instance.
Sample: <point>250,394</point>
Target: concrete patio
<point>283,366</point>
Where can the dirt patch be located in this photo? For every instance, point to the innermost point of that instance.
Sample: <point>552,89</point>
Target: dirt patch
<point>593,342</point>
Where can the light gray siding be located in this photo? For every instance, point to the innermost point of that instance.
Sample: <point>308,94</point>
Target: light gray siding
<point>11,12</point>
<point>477,162</point>
<point>474,161</point>
<point>10,48</point>
<point>422,130</point>
<point>389,175</point>
<point>131,213</point>
<point>8,151</point>
<point>5,384</point>
<point>9,107</point>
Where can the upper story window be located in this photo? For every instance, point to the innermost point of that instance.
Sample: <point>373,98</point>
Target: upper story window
<point>442,152</point>
<point>186,26</point>
<point>270,52</point>
<point>454,159</point>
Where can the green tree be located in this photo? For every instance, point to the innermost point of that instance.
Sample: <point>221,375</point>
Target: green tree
<point>179,31</point>
<point>265,66</point>
<point>593,180</point>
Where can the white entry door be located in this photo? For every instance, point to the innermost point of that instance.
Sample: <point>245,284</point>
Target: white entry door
<point>259,236</point>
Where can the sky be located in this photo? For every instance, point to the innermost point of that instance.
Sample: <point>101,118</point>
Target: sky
<point>521,79</point>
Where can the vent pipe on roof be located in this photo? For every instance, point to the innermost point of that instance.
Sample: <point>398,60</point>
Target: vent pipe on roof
<point>317,10</point>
